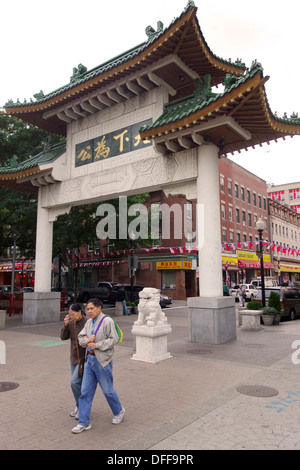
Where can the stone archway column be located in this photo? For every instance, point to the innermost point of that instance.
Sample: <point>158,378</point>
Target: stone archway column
<point>211,316</point>
<point>42,305</point>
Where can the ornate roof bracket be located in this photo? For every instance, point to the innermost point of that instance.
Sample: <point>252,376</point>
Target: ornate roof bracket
<point>216,131</point>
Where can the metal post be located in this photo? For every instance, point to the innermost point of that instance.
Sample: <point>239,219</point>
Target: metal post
<point>260,225</point>
<point>131,270</point>
<point>263,296</point>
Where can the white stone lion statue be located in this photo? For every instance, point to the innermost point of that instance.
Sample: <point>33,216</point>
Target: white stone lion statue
<point>150,312</point>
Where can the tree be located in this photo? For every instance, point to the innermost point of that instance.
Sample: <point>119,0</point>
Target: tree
<point>18,142</point>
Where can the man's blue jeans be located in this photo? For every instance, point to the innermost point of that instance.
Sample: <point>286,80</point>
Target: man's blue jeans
<point>75,382</point>
<point>94,373</point>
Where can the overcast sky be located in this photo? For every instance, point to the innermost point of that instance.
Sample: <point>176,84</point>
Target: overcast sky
<point>43,41</point>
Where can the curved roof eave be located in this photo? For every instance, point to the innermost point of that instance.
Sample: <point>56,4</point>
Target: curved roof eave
<point>112,70</point>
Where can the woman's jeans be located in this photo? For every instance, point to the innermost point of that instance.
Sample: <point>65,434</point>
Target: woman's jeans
<point>93,374</point>
<point>75,382</point>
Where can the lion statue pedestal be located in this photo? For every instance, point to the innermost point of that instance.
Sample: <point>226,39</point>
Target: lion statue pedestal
<point>151,328</point>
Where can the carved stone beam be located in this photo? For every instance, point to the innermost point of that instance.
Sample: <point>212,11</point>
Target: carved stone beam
<point>144,83</point>
<point>62,116</point>
<point>105,100</point>
<point>96,103</point>
<point>136,89</point>
<point>78,111</point>
<point>87,106</point>
<point>69,112</point>
<point>160,148</point>
<point>114,96</point>
<point>185,142</point>
<point>172,146</point>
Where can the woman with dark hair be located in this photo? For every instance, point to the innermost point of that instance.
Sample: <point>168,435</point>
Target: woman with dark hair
<point>73,324</point>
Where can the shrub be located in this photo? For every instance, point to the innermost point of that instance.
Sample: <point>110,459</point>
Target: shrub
<point>269,311</point>
<point>274,301</point>
<point>254,305</point>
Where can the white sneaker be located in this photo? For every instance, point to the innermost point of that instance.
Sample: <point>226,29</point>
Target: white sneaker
<point>79,428</point>
<point>74,413</point>
<point>119,418</point>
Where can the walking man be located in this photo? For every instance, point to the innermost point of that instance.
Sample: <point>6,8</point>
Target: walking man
<point>99,337</point>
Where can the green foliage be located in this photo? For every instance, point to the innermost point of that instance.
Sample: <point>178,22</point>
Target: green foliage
<point>19,139</point>
<point>274,301</point>
<point>269,311</point>
<point>254,305</point>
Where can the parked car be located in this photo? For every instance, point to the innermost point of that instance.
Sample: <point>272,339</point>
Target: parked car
<point>250,292</point>
<point>112,296</point>
<point>164,299</point>
<point>100,292</point>
<point>5,291</point>
<point>69,295</point>
<point>289,297</point>
<point>290,301</point>
<point>269,282</point>
<point>27,289</point>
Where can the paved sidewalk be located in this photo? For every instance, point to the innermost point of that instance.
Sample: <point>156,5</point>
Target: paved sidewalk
<point>193,401</point>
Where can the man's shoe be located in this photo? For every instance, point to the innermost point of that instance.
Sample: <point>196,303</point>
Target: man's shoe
<point>74,413</point>
<point>119,418</point>
<point>79,428</point>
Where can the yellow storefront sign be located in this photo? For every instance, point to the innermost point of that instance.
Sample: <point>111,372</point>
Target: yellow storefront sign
<point>251,256</point>
<point>230,261</point>
<point>174,265</point>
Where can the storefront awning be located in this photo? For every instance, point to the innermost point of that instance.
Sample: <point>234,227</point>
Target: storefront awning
<point>292,268</point>
<point>247,263</point>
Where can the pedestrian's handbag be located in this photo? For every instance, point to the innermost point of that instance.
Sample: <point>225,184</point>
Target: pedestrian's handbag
<point>80,361</point>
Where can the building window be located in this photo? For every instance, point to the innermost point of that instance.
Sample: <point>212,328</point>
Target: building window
<point>236,190</point>
<point>248,196</point>
<point>238,237</point>
<point>259,202</point>
<point>242,193</point>
<point>237,215</point>
<point>168,279</point>
<point>249,219</point>
<point>265,204</point>
<point>254,199</point>
<point>222,184</point>
<point>224,235</point>
<point>244,217</point>
<point>229,188</point>
<point>231,236</point>
<point>223,211</point>
<point>230,213</point>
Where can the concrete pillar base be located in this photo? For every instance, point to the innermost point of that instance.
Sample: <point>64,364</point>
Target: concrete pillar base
<point>2,319</point>
<point>41,307</point>
<point>151,343</point>
<point>212,320</point>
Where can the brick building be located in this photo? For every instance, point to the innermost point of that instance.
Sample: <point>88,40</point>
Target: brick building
<point>288,194</point>
<point>285,238</point>
<point>243,199</point>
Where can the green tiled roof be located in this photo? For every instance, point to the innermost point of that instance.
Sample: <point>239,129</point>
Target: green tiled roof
<point>184,107</point>
<point>85,76</point>
<point>47,156</point>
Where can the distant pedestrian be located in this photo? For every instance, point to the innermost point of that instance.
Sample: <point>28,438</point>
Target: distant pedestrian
<point>73,324</point>
<point>241,293</point>
<point>121,298</point>
<point>99,336</point>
